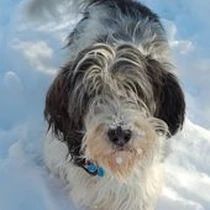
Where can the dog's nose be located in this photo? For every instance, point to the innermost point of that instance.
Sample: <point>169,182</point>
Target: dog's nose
<point>118,136</point>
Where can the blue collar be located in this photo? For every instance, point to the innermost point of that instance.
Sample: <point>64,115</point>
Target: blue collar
<point>94,169</point>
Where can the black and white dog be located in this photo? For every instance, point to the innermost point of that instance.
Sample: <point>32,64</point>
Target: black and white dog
<point>113,106</point>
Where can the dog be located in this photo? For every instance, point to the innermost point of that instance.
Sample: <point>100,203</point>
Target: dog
<point>113,107</point>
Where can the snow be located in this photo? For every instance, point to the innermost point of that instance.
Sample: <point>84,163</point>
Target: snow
<point>24,180</point>
<point>26,183</point>
<point>188,171</point>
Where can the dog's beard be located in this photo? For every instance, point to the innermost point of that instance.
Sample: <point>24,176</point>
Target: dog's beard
<point>123,161</point>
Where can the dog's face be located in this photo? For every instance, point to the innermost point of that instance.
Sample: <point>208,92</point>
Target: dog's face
<point>113,105</point>
<point>118,136</point>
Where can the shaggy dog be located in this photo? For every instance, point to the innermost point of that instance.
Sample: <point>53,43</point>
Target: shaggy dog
<point>112,107</point>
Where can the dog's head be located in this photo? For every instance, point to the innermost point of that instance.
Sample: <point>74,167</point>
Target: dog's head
<point>112,105</point>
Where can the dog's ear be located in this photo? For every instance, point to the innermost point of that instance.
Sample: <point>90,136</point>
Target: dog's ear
<point>169,97</point>
<point>56,104</point>
<point>172,103</point>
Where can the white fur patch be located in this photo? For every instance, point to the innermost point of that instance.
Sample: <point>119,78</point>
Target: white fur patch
<point>139,192</point>
<point>119,160</point>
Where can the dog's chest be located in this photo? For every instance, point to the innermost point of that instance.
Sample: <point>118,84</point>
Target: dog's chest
<point>108,193</point>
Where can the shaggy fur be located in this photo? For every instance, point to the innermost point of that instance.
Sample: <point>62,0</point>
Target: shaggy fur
<point>118,79</point>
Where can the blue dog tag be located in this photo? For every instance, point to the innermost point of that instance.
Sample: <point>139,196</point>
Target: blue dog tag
<point>92,168</point>
<point>101,172</point>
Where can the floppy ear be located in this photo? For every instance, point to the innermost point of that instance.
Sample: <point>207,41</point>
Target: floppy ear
<point>171,103</point>
<point>168,94</point>
<point>66,128</point>
<point>56,104</point>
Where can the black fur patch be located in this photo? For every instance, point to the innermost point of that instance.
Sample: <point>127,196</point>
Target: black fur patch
<point>132,9</point>
<point>129,8</point>
<point>168,94</point>
<point>66,128</point>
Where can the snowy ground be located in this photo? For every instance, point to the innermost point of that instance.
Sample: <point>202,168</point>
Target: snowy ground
<point>26,184</point>
<point>188,171</point>
<point>30,55</point>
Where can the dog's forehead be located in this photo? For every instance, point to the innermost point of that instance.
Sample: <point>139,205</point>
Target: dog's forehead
<point>110,70</point>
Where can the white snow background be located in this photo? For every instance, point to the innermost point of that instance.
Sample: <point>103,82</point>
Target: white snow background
<point>30,54</point>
